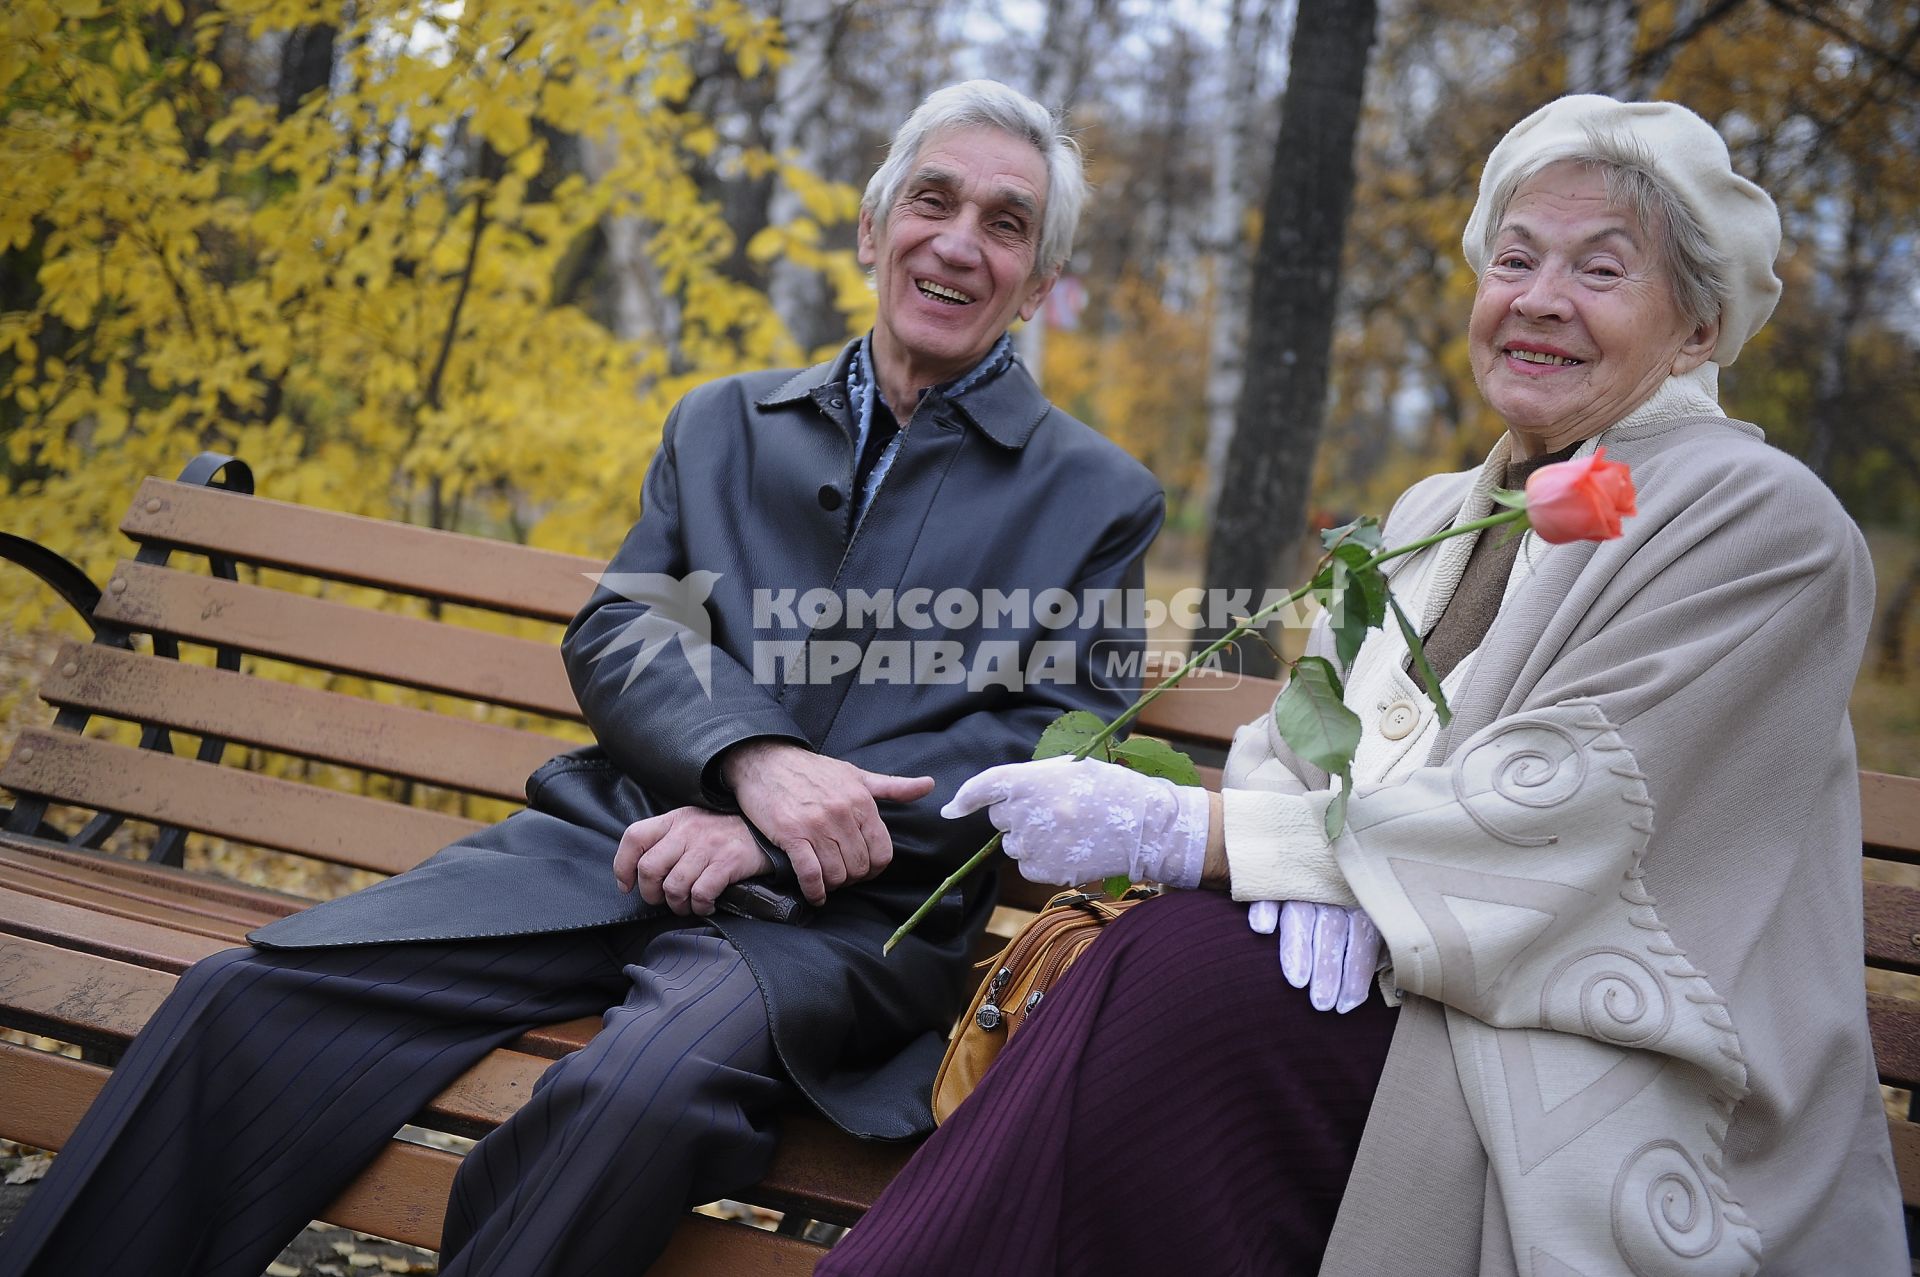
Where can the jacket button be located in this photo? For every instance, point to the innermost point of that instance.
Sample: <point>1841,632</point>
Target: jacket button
<point>1400,719</point>
<point>830,497</point>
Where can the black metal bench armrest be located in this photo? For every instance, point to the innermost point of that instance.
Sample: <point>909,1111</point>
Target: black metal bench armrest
<point>28,814</point>
<point>67,580</point>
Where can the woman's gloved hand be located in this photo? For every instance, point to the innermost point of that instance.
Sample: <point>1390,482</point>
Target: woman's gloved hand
<point>1330,951</point>
<point>1070,821</point>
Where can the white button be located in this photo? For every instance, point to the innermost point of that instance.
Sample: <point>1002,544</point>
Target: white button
<point>1400,719</point>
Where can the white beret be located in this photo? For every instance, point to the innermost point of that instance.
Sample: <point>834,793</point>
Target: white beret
<point>1739,218</point>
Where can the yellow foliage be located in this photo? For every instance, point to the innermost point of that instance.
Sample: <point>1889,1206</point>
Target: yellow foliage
<point>341,297</point>
<point>355,299</point>
<point>1140,379</point>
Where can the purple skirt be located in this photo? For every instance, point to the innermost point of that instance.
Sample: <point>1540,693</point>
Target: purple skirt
<point>1176,1108</point>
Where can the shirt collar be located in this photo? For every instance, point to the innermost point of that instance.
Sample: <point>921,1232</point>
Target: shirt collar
<point>1005,405</point>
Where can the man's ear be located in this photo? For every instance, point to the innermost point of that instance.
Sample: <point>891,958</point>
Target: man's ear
<point>1697,348</point>
<point>865,251</point>
<point>1037,293</point>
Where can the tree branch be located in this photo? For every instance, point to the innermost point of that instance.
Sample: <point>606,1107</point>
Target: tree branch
<point>459,302</point>
<point>1823,23</point>
<point>1647,59</point>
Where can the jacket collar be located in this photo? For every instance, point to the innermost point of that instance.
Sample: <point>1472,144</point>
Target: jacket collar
<point>1007,409</point>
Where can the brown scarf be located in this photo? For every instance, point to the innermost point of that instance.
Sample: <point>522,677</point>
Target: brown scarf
<point>1476,600</point>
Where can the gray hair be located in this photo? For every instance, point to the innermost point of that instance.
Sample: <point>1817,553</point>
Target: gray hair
<point>990,104</point>
<point>1695,270</point>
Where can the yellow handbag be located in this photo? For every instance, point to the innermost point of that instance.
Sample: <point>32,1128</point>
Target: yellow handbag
<point>1017,981</point>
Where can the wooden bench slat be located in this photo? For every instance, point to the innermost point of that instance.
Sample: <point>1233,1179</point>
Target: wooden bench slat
<point>221,896</point>
<point>823,1173</point>
<point>145,944</point>
<point>77,997</point>
<point>263,810</point>
<point>1892,925</point>
<point>188,910</point>
<point>172,950</point>
<point>412,651</point>
<point>1209,708</point>
<point>331,727</point>
<point>67,890</point>
<point>1890,814</point>
<point>497,575</point>
<point>401,1194</point>
<point>1895,1025</point>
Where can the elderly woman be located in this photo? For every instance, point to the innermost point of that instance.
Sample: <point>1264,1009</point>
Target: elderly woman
<point>1619,894</point>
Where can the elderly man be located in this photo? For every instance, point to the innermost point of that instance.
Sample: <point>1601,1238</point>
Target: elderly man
<point>849,589</point>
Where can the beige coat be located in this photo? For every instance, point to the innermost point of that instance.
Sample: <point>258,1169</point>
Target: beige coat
<point>1644,956</point>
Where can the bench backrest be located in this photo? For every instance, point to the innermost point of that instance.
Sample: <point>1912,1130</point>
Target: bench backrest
<point>336,604</point>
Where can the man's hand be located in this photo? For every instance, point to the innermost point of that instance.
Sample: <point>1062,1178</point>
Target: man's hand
<point>686,858</point>
<point>822,812</point>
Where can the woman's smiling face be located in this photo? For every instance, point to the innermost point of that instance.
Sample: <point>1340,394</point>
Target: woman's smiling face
<point>1574,324</point>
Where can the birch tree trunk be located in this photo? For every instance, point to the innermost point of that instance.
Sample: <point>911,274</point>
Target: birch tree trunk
<point>803,134</point>
<point>1296,282</point>
<point>640,307</point>
<point>1600,39</point>
<point>1061,57</point>
<point>1248,27</point>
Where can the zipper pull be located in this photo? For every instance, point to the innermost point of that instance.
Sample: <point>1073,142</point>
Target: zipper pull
<point>989,1016</point>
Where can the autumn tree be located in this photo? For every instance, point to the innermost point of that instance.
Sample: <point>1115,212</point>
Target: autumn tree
<point>357,277</point>
<point>1296,279</point>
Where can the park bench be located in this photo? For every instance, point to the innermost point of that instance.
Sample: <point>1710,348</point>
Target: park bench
<point>90,942</point>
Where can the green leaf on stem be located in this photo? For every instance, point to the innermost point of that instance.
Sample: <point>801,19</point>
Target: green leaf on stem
<point>1511,498</point>
<point>1069,734</point>
<point>1355,599</point>
<point>1337,809</point>
<point>1312,719</point>
<point>1364,531</point>
<point>1116,886</point>
<point>1152,757</point>
<point>1414,645</point>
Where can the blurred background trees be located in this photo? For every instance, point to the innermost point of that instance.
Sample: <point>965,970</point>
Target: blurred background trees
<point>450,260</point>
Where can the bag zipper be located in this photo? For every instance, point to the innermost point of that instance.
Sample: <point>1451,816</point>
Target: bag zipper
<point>1064,911</point>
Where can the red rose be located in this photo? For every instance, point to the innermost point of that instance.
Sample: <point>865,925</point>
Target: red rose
<point>1579,500</point>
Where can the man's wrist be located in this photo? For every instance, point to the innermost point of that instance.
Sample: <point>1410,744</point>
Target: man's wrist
<point>737,761</point>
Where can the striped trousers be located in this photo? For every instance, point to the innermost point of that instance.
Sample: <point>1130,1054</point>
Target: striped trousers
<point>269,1078</point>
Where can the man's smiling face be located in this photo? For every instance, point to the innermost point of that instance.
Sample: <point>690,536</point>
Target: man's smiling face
<point>954,262</point>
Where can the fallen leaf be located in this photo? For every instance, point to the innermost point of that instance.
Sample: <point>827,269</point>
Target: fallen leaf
<point>29,1170</point>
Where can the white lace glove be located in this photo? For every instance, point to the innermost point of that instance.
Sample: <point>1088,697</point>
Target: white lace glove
<point>1330,951</point>
<point>1070,821</point>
